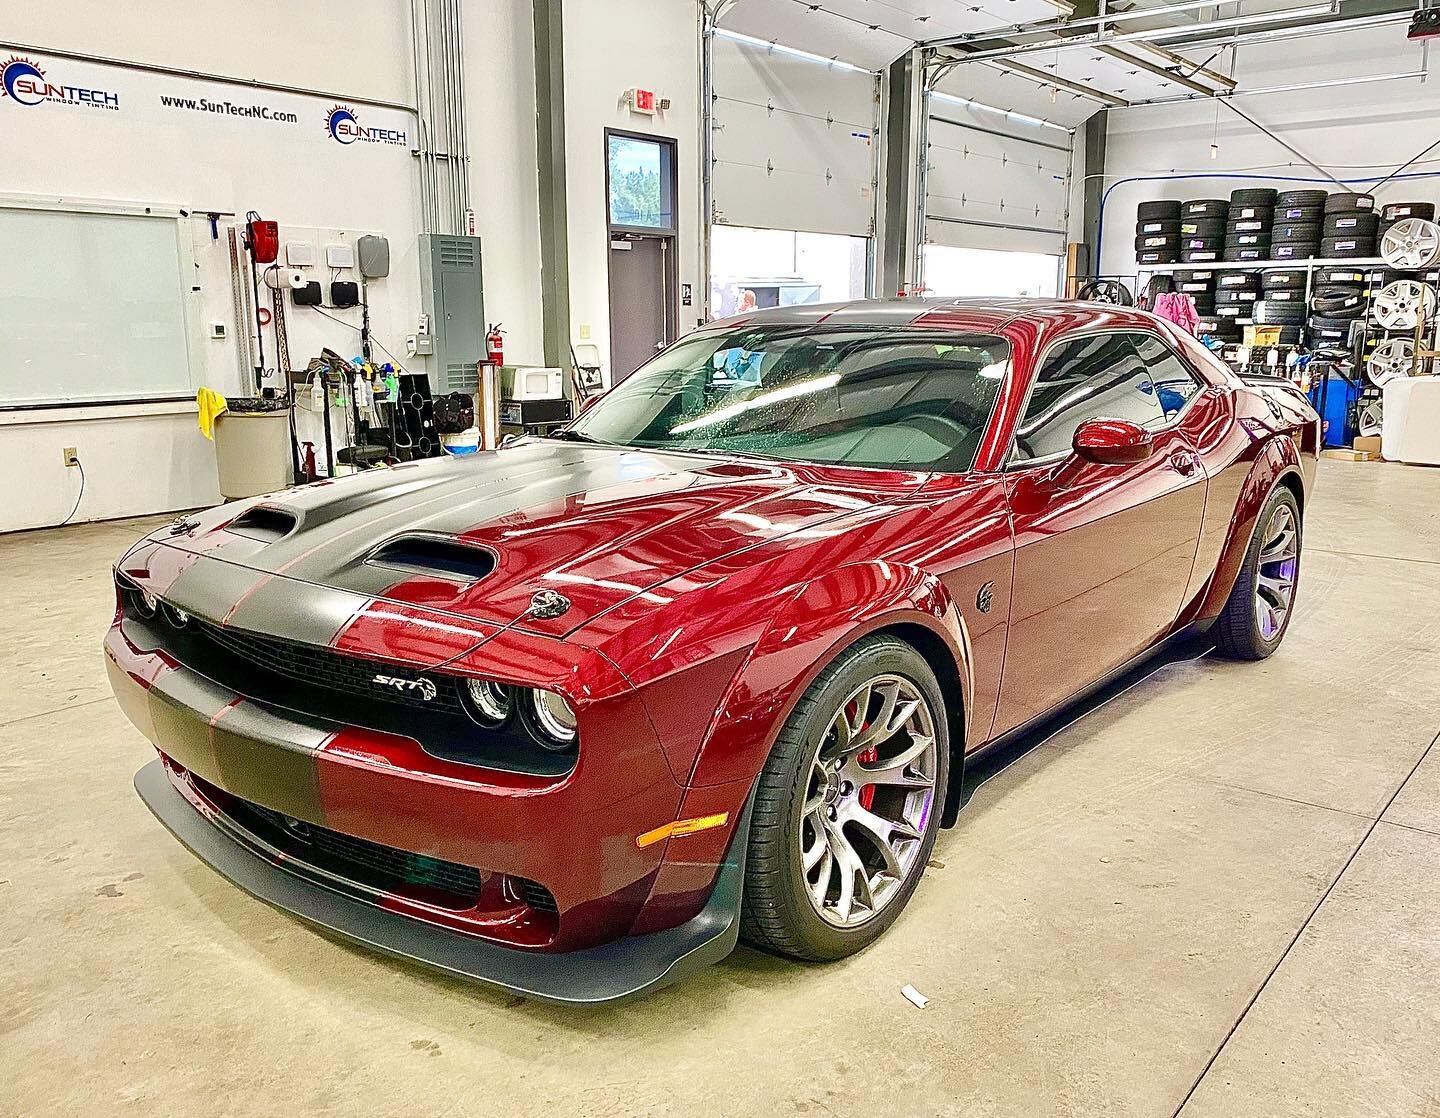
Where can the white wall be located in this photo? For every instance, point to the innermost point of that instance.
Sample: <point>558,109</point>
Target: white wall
<point>1353,131</point>
<point>610,48</point>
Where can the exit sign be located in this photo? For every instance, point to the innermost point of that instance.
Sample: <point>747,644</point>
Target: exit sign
<point>642,101</point>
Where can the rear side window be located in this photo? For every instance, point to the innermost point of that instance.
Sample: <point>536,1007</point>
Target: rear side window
<point>1087,377</point>
<point>1174,383</point>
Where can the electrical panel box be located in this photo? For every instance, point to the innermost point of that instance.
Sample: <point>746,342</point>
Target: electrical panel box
<point>452,296</point>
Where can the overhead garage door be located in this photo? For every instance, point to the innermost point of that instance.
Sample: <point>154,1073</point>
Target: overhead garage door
<point>995,187</point>
<point>794,141</point>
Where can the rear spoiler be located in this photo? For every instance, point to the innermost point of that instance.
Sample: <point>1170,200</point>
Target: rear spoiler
<point>1283,384</point>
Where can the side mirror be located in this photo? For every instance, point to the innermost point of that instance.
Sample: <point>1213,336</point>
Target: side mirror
<point>589,402</point>
<point>1113,442</point>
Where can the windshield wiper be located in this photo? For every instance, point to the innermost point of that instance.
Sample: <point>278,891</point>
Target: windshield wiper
<point>569,436</point>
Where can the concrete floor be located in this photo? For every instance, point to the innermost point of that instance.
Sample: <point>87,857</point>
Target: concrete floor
<point>1218,895</point>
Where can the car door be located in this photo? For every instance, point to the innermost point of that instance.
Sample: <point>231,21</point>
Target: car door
<point>1103,553</point>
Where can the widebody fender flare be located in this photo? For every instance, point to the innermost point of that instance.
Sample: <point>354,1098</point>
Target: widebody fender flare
<point>823,618</point>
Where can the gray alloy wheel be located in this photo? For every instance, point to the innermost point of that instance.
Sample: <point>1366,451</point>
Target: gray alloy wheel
<point>858,839</point>
<point>848,804</point>
<point>1262,602</point>
<point>1279,564</point>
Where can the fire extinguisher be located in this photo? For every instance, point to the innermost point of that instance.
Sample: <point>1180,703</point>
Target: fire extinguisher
<point>495,347</point>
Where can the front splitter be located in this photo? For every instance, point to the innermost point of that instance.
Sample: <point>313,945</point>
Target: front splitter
<point>611,972</point>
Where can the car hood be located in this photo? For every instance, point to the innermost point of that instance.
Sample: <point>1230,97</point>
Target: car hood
<point>477,536</point>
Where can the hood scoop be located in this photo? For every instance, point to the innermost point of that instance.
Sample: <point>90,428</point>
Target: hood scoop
<point>437,556</point>
<point>265,523</point>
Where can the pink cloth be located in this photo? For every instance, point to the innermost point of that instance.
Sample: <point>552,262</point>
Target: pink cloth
<point>1179,309</point>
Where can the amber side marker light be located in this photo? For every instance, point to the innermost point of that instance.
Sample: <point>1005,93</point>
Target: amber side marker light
<point>681,827</point>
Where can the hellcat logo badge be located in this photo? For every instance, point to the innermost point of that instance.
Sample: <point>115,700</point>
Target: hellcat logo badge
<point>985,598</point>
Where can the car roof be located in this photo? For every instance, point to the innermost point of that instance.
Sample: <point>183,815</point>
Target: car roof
<point>969,313</point>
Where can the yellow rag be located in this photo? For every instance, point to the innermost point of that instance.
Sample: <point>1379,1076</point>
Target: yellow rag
<point>211,404</point>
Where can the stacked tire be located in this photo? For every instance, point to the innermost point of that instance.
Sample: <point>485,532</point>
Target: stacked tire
<point>1349,230</point>
<point>1296,230</point>
<point>1282,303</point>
<point>1157,233</point>
<point>1236,293</point>
<point>1248,225</point>
<point>1203,225</point>
<point>1200,286</point>
<point>1339,296</point>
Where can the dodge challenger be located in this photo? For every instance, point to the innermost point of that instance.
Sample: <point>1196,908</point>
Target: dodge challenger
<point>574,716</point>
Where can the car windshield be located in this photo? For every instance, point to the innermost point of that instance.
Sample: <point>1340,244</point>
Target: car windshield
<point>855,396</point>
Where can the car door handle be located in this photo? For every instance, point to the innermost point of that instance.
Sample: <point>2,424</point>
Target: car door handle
<point>1184,462</point>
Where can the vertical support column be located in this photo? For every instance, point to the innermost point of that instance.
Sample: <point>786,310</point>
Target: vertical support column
<point>904,137</point>
<point>1094,191</point>
<point>550,149</point>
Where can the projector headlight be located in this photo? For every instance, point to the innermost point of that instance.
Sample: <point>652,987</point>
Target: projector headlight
<point>489,703</point>
<point>175,615</point>
<point>552,718</point>
<point>148,603</point>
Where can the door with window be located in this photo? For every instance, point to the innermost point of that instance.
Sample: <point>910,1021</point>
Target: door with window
<point>1103,553</point>
<point>640,189</point>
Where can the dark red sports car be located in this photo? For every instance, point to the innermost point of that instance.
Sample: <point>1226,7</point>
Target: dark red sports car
<point>573,716</point>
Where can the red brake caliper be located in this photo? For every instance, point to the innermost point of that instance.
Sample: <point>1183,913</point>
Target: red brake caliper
<point>867,792</point>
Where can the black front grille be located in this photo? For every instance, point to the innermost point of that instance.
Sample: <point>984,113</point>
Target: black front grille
<point>356,859</point>
<point>536,895</point>
<point>320,667</point>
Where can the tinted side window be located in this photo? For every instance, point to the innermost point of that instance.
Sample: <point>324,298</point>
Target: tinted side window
<point>1174,383</point>
<point>1099,375</point>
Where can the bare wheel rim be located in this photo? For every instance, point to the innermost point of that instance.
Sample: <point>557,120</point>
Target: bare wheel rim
<point>1279,565</point>
<point>1402,304</point>
<point>868,798</point>
<point>1412,243</point>
<point>1391,359</point>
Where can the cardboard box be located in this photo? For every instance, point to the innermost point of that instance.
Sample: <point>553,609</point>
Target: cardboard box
<point>1259,336</point>
<point>1345,454</point>
<point>1368,443</point>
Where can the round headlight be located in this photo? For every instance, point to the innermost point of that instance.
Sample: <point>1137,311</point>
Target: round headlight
<point>490,702</point>
<point>553,718</point>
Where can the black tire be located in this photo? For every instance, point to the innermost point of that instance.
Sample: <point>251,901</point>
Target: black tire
<point>1344,248</point>
<point>1161,241</point>
<point>1205,207</point>
<point>1248,240</point>
<point>1228,296</point>
<point>1199,256</point>
<point>1282,233</point>
<point>1285,296</point>
<point>776,912</point>
<point>1247,225</point>
<point>1340,277</point>
<point>1253,196</point>
<point>1279,314</point>
<point>1209,324</point>
<point>1242,281</point>
<point>1157,256</point>
<point>1338,302</point>
<point>1237,630</point>
<point>1203,227</point>
<point>1204,306</point>
<point>1299,215</point>
<point>1189,275</point>
<point>1149,228</point>
<point>1283,279</point>
<point>1197,288</point>
<point>1160,210</point>
<point>1349,203</point>
<point>1399,211</point>
<point>1294,250</point>
<point>1329,331</point>
<point>1247,254</point>
<point>1202,244</point>
<point>1307,199</point>
<point>1351,225</point>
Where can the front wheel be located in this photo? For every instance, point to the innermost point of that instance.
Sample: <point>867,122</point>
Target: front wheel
<point>847,806</point>
<point>1257,613</point>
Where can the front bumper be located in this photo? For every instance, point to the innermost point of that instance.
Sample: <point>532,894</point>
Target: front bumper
<point>625,968</point>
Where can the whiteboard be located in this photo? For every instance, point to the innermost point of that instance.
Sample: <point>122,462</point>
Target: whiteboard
<point>93,307</point>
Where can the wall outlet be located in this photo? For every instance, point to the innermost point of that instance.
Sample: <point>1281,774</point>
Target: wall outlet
<point>218,330</point>
<point>71,456</point>
<point>584,330</point>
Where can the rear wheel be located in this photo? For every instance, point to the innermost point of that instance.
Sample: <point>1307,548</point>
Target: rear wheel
<point>1255,617</point>
<point>848,805</point>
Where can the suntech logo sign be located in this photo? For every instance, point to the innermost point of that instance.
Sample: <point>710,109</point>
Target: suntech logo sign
<point>345,128</point>
<point>23,82</point>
